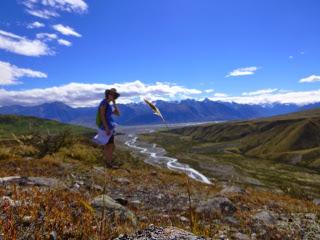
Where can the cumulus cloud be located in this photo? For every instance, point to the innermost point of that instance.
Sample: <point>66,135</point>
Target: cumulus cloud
<point>312,78</point>
<point>23,46</point>
<point>49,8</point>
<point>35,25</point>
<point>83,95</point>
<point>64,42</point>
<point>270,97</point>
<point>9,74</point>
<point>66,30</point>
<point>242,71</point>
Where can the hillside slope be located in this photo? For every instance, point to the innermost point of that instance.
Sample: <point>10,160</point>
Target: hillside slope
<point>18,125</point>
<point>292,138</point>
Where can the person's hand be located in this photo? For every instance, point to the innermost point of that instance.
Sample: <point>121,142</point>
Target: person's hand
<point>108,132</point>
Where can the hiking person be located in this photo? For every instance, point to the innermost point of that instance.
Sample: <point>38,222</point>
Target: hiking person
<point>106,125</point>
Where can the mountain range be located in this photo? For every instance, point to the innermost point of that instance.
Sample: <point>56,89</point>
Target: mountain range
<point>174,112</point>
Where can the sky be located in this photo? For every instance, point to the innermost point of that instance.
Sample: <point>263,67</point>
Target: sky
<point>248,51</point>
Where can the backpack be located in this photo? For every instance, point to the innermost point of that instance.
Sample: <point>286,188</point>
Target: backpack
<point>98,119</point>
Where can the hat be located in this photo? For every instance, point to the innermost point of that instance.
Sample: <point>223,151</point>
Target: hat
<point>112,91</point>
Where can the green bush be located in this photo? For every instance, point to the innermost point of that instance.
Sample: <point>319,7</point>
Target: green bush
<point>47,144</point>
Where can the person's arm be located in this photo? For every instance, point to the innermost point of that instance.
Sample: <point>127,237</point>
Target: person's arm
<point>116,109</point>
<point>102,111</point>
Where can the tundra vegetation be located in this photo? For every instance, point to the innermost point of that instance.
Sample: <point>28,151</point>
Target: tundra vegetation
<point>53,184</point>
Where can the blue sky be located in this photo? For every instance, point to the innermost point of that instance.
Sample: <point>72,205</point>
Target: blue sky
<point>245,51</point>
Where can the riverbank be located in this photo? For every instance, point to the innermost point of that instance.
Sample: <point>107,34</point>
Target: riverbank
<point>219,161</point>
<point>154,154</point>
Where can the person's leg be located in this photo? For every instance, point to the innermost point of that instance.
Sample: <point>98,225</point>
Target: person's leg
<point>108,152</point>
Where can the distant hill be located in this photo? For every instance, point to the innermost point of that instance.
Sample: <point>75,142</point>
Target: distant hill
<point>292,138</point>
<point>54,111</point>
<point>19,125</point>
<point>173,112</point>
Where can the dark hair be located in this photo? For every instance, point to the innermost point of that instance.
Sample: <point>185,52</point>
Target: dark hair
<point>112,91</point>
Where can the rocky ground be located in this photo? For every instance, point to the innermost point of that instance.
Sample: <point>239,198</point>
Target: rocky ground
<point>67,196</point>
<point>159,233</point>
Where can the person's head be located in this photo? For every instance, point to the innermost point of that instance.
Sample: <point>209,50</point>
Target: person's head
<point>111,94</point>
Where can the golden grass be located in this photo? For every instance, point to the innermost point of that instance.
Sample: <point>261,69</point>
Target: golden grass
<point>70,214</point>
<point>5,153</point>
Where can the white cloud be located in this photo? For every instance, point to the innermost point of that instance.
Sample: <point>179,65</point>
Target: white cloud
<point>49,8</point>
<point>279,96</point>
<point>9,74</point>
<point>35,25</point>
<point>78,6</point>
<point>46,14</point>
<point>312,78</point>
<point>209,90</point>
<point>220,95</point>
<point>64,42</point>
<point>260,92</point>
<point>47,36</point>
<point>242,71</point>
<point>82,95</point>
<point>23,46</point>
<point>10,35</point>
<point>66,30</point>
<point>296,55</point>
